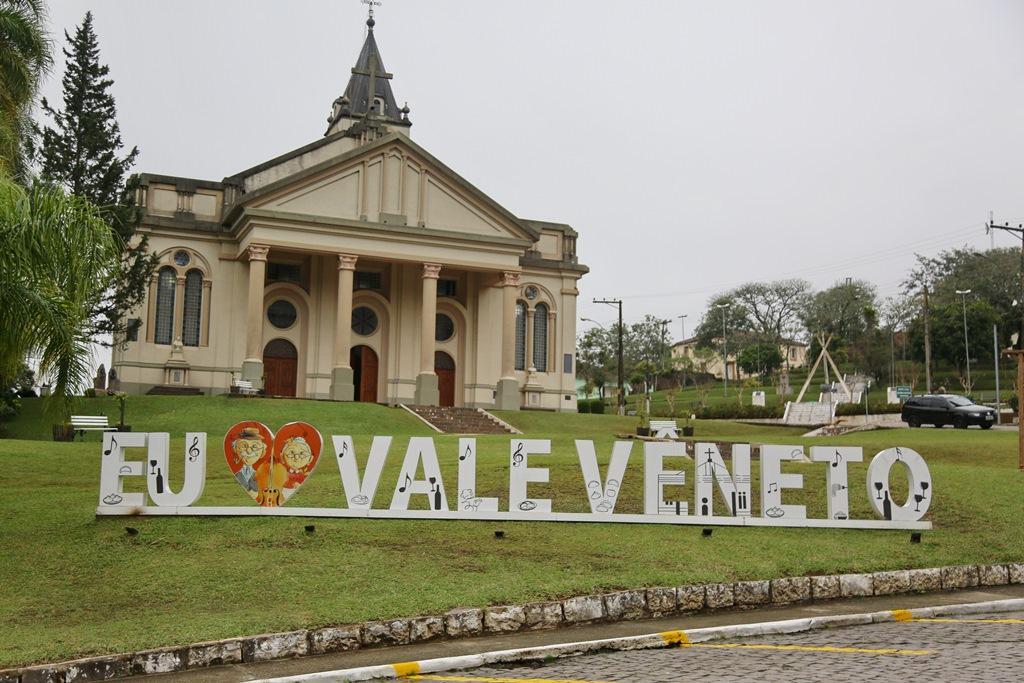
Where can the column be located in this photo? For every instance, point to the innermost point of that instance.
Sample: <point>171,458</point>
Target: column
<point>507,395</point>
<point>179,310</point>
<point>342,387</point>
<point>427,393</point>
<point>252,366</point>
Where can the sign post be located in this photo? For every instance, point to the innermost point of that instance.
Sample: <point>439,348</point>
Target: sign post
<point>903,392</point>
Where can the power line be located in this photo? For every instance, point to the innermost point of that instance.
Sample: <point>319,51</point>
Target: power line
<point>888,253</point>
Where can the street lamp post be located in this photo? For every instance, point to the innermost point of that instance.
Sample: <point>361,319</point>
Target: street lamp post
<point>967,350</point>
<point>682,340</point>
<point>725,352</point>
<point>622,369</point>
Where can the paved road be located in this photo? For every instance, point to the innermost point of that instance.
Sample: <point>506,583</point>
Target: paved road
<point>975,648</point>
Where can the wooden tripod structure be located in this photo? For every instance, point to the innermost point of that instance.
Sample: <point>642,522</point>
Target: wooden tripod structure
<point>827,357</point>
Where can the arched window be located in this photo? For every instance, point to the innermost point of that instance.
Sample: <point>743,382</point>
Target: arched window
<point>166,282</point>
<point>193,308</point>
<point>540,337</point>
<point>520,335</point>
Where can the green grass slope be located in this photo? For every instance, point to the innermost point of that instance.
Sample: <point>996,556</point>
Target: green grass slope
<point>72,584</point>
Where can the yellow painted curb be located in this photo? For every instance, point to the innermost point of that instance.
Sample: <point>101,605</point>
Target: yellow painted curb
<point>406,668</point>
<point>902,615</point>
<point>675,637</point>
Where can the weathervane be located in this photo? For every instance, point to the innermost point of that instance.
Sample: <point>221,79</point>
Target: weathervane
<point>370,4</point>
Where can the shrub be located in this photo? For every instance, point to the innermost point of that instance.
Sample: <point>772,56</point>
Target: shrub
<point>731,411</point>
<point>597,406</point>
<point>879,408</point>
<point>90,393</point>
<point>583,405</point>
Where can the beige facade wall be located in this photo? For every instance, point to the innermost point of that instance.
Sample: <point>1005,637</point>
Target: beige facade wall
<point>794,356</point>
<point>394,212</point>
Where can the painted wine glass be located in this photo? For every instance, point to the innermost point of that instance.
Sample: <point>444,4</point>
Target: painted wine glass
<point>878,488</point>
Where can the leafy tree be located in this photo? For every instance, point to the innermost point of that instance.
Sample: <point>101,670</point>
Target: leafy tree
<point>760,359</point>
<point>58,258</point>
<point>993,276</point>
<point>737,324</point>
<point>773,308</point>
<point>947,332</point>
<point>845,310</point>
<point>25,56</point>
<point>82,153</point>
<point>596,356</point>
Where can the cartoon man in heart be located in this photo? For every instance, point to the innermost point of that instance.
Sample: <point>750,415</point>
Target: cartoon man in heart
<point>249,448</point>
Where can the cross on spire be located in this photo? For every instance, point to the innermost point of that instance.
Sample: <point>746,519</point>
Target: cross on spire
<point>373,74</point>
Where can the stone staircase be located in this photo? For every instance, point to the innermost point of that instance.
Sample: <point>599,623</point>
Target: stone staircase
<point>809,414</point>
<point>173,390</point>
<point>461,420</point>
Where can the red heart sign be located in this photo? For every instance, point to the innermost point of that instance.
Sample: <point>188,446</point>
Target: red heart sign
<point>272,468</point>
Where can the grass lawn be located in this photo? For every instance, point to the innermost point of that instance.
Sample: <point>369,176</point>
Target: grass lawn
<point>72,584</point>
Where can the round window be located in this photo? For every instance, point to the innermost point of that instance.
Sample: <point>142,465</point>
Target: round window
<point>282,314</point>
<point>444,328</point>
<point>364,321</point>
<point>182,258</point>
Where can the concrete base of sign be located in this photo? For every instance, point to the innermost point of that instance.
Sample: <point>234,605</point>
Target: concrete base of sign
<point>507,397</point>
<point>252,371</point>
<point>686,520</point>
<point>427,393</point>
<point>342,388</point>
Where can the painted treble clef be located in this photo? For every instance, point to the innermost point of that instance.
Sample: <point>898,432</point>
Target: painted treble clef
<point>517,456</point>
<point>193,450</point>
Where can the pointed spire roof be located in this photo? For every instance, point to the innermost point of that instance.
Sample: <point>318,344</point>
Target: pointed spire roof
<point>369,73</point>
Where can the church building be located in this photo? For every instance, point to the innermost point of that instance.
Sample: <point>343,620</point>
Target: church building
<point>358,267</point>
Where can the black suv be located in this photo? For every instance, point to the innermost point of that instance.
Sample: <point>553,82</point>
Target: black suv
<point>946,409</point>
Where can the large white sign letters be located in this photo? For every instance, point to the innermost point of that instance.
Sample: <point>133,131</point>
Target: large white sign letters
<point>271,468</point>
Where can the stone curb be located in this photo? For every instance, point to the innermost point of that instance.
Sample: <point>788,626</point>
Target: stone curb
<point>468,622</point>
<point>646,642</point>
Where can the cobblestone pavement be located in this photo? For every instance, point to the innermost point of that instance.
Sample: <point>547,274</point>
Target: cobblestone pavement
<point>975,648</point>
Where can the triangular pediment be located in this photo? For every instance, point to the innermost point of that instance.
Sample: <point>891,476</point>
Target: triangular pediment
<point>391,181</point>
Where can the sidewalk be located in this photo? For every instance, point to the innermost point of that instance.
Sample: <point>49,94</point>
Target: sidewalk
<point>405,653</point>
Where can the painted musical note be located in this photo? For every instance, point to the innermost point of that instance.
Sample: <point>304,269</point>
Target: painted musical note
<point>467,454</point>
<point>518,457</point>
<point>193,450</point>
<point>838,457</point>
<point>344,450</point>
<point>773,488</point>
<point>113,445</point>
<point>408,482</point>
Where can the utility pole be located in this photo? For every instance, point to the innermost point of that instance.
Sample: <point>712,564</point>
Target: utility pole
<point>725,352</point>
<point>967,347</point>
<point>622,369</point>
<point>927,347</point>
<point>1019,351</point>
<point>682,340</point>
<point>995,355</point>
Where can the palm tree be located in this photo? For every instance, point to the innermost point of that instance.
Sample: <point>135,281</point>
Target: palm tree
<point>25,56</point>
<point>57,257</point>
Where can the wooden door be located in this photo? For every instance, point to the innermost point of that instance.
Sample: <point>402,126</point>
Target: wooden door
<point>280,368</point>
<point>365,365</point>
<point>444,366</point>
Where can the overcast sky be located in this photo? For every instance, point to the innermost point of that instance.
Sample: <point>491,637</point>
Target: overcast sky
<point>694,145</point>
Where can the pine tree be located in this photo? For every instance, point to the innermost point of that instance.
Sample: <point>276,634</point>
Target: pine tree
<point>82,152</point>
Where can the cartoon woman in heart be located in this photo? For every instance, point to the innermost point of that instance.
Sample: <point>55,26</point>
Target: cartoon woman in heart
<point>296,453</point>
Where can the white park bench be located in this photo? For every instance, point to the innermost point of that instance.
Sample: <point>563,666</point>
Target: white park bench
<point>243,387</point>
<point>664,429</point>
<point>91,423</point>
